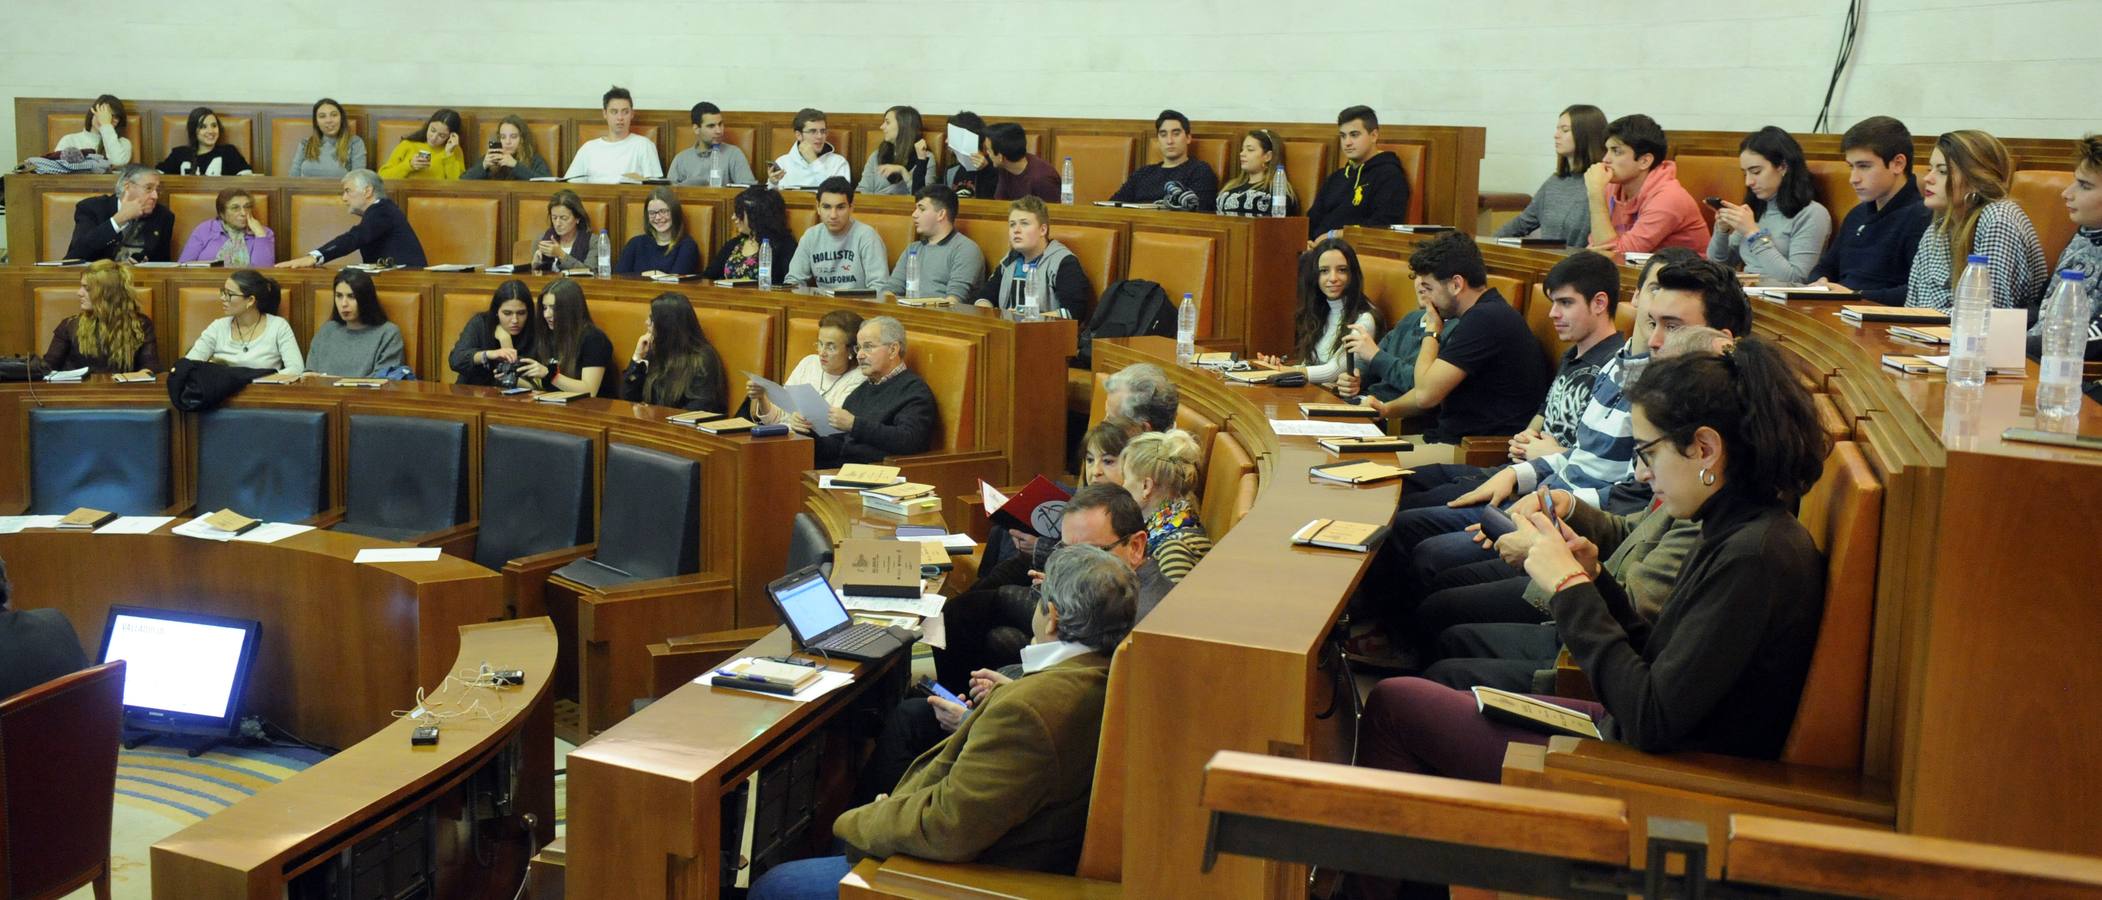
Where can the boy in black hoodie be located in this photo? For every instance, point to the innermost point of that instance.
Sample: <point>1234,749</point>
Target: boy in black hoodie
<point>1370,188</point>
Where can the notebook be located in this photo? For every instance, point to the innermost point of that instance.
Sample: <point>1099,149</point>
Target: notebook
<point>1339,535</point>
<point>1339,410</point>
<point>1381,444</point>
<point>1358,471</point>
<point>1536,715</point>
<point>1870,312</point>
<point>819,622</point>
<point>865,475</point>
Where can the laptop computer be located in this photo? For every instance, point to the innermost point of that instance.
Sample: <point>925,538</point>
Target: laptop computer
<point>819,621</point>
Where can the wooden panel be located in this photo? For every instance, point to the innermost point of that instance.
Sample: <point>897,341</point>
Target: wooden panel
<point>1826,858</point>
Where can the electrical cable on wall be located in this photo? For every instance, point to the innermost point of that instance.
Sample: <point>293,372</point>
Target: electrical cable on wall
<point>1850,30</point>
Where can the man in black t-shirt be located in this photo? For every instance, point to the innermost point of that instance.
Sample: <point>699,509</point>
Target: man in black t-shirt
<point>1482,375</point>
<point>1177,181</point>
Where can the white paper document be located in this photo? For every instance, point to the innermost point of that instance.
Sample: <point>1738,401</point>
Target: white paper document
<point>1321,428</point>
<point>934,632</point>
<point>965,144</point>
<point>397,554</point>
<point>826,683</point>
<point>134,524</point>
<point>272,532</point>
<point>199,528</point>
<point>12,524</point>
<point>798,398</point>
<point>927,605</point>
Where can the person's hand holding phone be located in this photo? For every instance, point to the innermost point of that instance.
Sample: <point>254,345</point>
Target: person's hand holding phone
<point>949,714</point>
<point>1735,217</point>
<point>421,161</point>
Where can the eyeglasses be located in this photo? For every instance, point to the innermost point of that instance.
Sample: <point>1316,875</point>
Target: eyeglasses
<point>827,347</point>
<point>660,214</point>
<point>1119,542</point>
<point>225,294</point>
<point>1642,454</point>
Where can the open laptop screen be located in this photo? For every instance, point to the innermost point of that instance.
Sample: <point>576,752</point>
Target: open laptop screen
<point>811,607</point>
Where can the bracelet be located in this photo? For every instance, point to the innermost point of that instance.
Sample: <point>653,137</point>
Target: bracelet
<point>1564,583</point>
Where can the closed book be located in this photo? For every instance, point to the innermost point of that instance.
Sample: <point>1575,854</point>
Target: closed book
<point>1912,365</point>
<point>1924,334</point>
<point>735,282</point>
<point>558,396</point>
<point>924,302</point>
<point>745,684</point>
<point>1035,509</point>
<point>1338,410</point>
<point>452,267</point>
<point>1421,229</point>
<point>898,493</point>
<point>229,521</point>
<point>361,382</point>
<point>132,377</point>
<point>86,517</point>
<point>1870,312</point>
<point>278,378</point>
<point>727,426</point>
<point>1357,471</point>
<point>864,568</point>
<point>695,417</point>
<point>1532,242</point>
<point>932,553</point>
<point>1382,444</point>
<point>846,292</point>
<point>903,508</point>
<point>1535,715</point>
<point>750,672</point>
<point>865,475</point>
<point>1339,535</point>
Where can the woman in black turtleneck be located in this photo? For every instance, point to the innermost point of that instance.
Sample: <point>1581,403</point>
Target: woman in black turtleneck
<point>1730,441</point>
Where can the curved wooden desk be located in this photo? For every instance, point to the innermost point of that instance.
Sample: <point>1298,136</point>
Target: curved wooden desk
<point>341,645</point>
<point>253,849</point>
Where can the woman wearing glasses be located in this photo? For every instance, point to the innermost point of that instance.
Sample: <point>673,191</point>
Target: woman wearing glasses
<point>832,370</point>
<point>237,238</point>
<point>249,333</point>
<point>664,247</point>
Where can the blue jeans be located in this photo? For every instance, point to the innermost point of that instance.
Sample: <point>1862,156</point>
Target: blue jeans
<point>815,877</point>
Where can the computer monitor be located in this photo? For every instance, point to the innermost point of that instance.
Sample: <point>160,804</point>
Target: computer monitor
<point>183,672</point>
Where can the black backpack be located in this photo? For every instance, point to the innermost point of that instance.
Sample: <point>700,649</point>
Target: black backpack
<point>1129,308</point>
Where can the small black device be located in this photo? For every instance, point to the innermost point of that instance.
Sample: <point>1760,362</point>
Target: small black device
<point>505,373</point>
<point>1713,201</point>
<point>508,676</point>
<point>496,143</point>
<point>775,429</point>
<point>1495,524</point>
<point>1289,379</point>
<point>818,620</point>
<point>424,736</point>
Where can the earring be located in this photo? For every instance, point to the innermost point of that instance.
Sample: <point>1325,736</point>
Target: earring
<point>1707,478</point>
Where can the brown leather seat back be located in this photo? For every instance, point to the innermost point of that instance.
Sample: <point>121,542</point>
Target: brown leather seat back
<point>896,231</point>
<point>1390,285</point>
<point>53,303</point>
<point>1096,248</point>
<point>1225,475</point>
<point>288,132</point>
<point>1845,516</point>
<point>193,207</point>
<point>700,222</point>
<point>744,338</point>
<point>455,308</point>
<point>547,137</point>
<point>386,133</point>
<point>1711,176</point>
<point>2038,191</point>
<point>457,229</point>
<point>235,130</point>
<point>950,366</point>
<point>1411,156</point>
<point>623,321</point>
<point>195,307</point>
<point>1102,846</point>
<point>1307,164</point>
<point>58,220</point>
<point>745,138</point>
<point>800,336</point>
<point>60,124</point>
<point>1182,264</point>
<point>1202,429</point>
<point>404,309</point>
<point>1833,190</point>
<point>1101,162</point>
<point>58,782</point>
<point>991,237</point>
<point>317,218</point>
<point>1543,328</point>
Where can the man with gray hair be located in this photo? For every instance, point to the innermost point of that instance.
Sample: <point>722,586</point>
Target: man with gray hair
<point>892,413</point>
<point>1010,787</point>
<point>1143,394</point>
<point>382,235</point>
<point>128,226</point>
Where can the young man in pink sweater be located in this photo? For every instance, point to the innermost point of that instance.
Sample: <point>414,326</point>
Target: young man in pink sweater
<point>1637,203</point>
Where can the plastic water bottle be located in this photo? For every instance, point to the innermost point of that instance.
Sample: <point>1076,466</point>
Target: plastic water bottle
<point>2064,333</point>
<point>766,264</point>
<point>715,174</point>
<point>1186,330</point>
<point>1032,294</point>
<point>602,250</point>
<point>912,272</point>
<point>1277,193</point>
<point>1974,303</point>
<point>1065,182</point>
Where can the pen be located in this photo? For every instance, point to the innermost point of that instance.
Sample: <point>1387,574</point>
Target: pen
<point>742,677</point>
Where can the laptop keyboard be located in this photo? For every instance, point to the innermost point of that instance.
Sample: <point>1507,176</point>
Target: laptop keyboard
<point>855,638</point>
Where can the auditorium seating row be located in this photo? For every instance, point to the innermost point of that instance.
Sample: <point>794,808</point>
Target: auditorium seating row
<point>1443,162</point>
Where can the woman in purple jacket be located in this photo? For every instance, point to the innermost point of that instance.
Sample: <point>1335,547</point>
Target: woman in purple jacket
<point>236,238</point>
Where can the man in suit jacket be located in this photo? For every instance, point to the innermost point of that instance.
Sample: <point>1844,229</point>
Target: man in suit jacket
<point>129,225</point>
<point>382,232</point>
<point>1010,788</point>
<point>35,646</point>
<point>893,413</point>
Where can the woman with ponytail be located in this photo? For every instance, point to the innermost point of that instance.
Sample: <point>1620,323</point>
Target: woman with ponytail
<point>250,334</point>
<point>1731,442</point>
<point>1966,189</point>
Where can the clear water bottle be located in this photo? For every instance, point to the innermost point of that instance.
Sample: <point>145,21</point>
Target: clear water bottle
<point>1277,193</point>
<point>766,264</point>
<point>1186,330</point>
<point>2064,332</point>
<point>1065,182</point>
<point>1974,303</point>
<point>912,272</point>
<point>715,174</point>
<point>1032,294</point>
<point>602,251</point>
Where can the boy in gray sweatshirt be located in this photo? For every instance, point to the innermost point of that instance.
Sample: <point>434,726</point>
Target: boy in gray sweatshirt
<point>838,253</point>
<point>951,265</point>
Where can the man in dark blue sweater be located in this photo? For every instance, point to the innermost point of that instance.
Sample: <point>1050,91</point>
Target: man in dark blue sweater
<point>382,235</point>
<point>893,413</point>
<point>1177,181</point>
<point>1871,253</point>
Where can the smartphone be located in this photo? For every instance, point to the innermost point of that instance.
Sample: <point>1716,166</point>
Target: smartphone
<point>1495,524</point>
<point>521,389</point>
<point>947,694</point>
<point>1713,201</point>
<point>496,144</point>
<point>1547,507</point>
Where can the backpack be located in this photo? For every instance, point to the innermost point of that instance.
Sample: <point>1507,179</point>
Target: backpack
<point>1129,308</point>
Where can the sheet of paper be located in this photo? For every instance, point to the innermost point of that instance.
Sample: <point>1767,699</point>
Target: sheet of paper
<point>272,532</point>
<point>134,524</point>
<point>798,398</point>
<point>198,528</point>
<point>951,542</point>
<point>12,524</point>
<point>927,605</point>
<point>824,482</point>
<point>397,554</point>
<point>2006,338</point>
<point>934,632</point>
<point>826,683</point>
<point>1320,428</point>
<point>965,145</point>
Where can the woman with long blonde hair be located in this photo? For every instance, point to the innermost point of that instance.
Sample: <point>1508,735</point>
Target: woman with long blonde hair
<point>1966,189</point>
<point>109,334</point>
<point>1248,192</point>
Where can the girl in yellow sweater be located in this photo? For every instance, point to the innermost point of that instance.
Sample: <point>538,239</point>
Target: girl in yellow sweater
<point>437,155</point>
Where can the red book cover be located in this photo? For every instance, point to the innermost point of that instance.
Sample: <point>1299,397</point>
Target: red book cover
<point>1036,508</point>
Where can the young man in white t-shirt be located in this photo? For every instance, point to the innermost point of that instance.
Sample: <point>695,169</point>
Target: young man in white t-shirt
<point>619,155</point>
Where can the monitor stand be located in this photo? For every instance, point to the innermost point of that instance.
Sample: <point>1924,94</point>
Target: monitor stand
<point>195,745</point>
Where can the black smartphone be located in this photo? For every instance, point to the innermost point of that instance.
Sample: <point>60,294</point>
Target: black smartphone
<point>496,144</point>
<point>1495,524</point>
<point>1713,201</point>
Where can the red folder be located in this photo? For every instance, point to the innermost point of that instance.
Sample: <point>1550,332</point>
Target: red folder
<point>1035,509</point>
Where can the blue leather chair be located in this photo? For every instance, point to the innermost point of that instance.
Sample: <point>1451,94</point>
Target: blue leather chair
<point>536,493</point>
<point>807,542</point>
<point>270,464</point>
<point>407,477</point>
<point>113,459</point>
<point>652,525</point>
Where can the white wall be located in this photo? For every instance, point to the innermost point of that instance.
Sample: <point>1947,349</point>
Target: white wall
<point>2015,67</point>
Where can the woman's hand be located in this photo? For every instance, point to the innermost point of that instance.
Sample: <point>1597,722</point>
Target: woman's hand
<point>1550,562</point>
<point>919,149</point>
<point>756,394</point>
<point>891,172</point>
<point>500,354</point>
<point>1736,217</point>
<point>257,228</point>
<point>798,424</point>
<point>1266,359</point>
<point>499,158</point>
<point>642,347</point>
<point>1346,385</point>
<point>105,117</point>
<point>548,250</point>
<point>531,368</point>
<point>452,142</point>
<point>420,161</point>
<point>1024,543</point>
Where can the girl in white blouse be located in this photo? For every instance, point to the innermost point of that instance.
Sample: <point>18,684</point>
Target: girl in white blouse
<point>250,334</point>
<point>832,370</point>
<point>1331,299</point>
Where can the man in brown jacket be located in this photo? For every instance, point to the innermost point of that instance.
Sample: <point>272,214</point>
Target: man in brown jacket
<point>1010,787</point>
